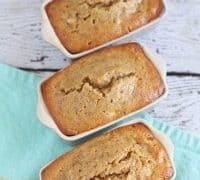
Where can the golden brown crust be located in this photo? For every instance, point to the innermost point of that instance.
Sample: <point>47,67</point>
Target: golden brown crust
<point>101,87</point>
<point>84,24</point>
<point>130,152</point>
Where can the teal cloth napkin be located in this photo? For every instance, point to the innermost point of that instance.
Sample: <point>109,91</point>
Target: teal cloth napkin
<point>26,145</point>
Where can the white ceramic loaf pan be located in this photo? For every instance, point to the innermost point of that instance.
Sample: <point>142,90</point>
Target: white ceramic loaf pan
<point>164,140</point>
<point>50,36</point>
<point>45,117</point>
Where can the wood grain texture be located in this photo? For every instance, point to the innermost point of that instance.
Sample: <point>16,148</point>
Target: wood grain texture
<point>21,43</point>
<point>177,37</point>
<point>182,106</point>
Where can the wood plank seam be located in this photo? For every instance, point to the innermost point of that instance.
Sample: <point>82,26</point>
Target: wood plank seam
<point>170,73</point>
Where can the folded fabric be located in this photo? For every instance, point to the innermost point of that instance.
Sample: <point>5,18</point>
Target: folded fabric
<point>26,145</point>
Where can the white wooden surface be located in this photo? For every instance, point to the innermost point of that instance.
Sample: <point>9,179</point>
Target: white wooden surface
<point>176,38</point>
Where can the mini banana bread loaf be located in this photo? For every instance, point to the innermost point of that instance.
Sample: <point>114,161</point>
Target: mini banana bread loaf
<point>127,153</point>
<point>101,87</point>
<point>84,24</point>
